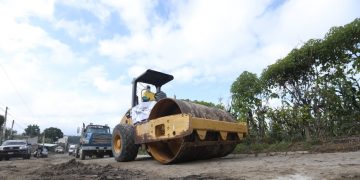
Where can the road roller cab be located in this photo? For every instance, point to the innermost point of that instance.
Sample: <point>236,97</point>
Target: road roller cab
<point>155,78</point>
<point>175,130</point>
<point>140,109</point>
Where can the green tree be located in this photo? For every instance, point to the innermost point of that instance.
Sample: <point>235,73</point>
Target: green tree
<point>8,133</point>
<point>247,102</point>
<point>32,130</point>
<point>208,104</point>
<point>318,85</point>
<point>340,65</point>
<point>53,134</point>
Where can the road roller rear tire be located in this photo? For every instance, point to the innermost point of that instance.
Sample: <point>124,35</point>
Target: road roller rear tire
<point>123,143</point>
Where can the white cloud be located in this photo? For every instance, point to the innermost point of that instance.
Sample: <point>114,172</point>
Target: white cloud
<point>122,48</point>
<point>211,37</point>
<point>99,9</point>
<point>185,74</point>
<point>136,71</point>
<point>135,13</point>
<point>22,10</point>
<point>297,21</point>
<point>39,84</point>
<point>199,42</point>
<point>97,77</point>
<point>77,29</point>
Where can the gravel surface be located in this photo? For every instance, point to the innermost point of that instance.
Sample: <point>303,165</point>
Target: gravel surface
<point>291,165</point>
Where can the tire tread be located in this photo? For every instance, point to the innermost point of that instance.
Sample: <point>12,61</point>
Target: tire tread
<point>129,149</point>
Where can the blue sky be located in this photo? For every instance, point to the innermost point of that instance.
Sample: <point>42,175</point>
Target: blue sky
<point>68,62</point>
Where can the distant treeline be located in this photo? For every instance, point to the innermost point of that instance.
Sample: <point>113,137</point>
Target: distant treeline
<point>315,87</point>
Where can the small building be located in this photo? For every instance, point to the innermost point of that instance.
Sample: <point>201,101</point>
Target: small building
<point>62,140</point>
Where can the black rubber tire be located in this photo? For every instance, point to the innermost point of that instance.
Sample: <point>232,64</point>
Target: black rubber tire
<point>82,154</point>
<point>129,149</point>
<point>7,158</point>
<point>100,156</point>
<point>27,156</point>
<point>76,153</point>
<point>111,154</point>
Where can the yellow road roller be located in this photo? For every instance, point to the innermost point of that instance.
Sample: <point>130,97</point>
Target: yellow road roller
<point>171,130</point>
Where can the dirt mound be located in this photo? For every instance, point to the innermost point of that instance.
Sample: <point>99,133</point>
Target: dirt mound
<point>338,145</point>
<point>68,165</point>
<point>78,170</point>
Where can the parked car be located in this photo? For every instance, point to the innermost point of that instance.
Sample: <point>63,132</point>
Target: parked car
<point>59,149</point>
<point>15,148</point>
<point>72,149</point>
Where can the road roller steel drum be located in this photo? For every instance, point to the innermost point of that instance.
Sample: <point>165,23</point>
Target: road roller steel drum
<point>179,131</point>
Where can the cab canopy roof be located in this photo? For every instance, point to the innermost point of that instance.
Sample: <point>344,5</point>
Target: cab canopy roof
<point>154,77</point>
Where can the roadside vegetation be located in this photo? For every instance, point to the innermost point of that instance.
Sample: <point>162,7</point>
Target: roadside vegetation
<point>308,98</point>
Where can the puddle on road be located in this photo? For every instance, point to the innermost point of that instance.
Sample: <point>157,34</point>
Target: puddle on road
<point>293,177</point>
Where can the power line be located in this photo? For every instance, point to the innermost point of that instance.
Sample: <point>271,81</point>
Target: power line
<point>14,117</point>
<point>2,109</point>
<point>16,121</point>
<point>20,126</point>
<point>2,104</point>
<point>13,85</point>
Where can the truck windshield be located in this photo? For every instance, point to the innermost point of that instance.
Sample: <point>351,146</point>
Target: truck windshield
<point>13,143</point>
<point>99,130</point>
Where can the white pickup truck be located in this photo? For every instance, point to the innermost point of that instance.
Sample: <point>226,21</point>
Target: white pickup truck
<point>72,149</point>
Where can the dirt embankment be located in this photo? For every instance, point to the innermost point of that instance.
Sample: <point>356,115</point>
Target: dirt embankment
<point>338,145</point>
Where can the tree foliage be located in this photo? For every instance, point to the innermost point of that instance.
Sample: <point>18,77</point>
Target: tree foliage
<point>247,103</point>
<point>32,130</point>
<point>53,134</point>
<point>317,85</point>
<point>10,133</point>
<point>208,104</point>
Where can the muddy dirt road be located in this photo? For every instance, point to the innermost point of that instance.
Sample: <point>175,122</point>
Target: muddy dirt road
<point>273,166</point>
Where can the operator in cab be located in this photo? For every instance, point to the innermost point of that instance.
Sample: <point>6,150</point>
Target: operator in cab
<point>148,95</point>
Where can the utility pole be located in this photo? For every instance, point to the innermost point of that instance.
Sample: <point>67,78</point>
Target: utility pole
<point>11,130</point>
<point>3,138</point>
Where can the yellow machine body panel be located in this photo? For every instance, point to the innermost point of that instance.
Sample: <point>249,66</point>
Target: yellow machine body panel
<point>181,125</point>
